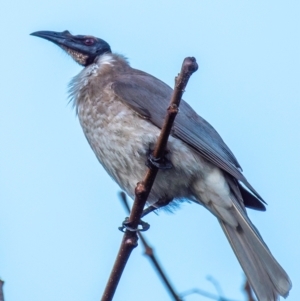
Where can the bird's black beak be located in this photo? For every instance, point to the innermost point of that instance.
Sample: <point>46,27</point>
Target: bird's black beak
<point>83,49</point>
<point>58,38</point>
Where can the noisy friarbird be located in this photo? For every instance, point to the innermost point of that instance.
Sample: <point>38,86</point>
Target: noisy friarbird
<point>121,111</point>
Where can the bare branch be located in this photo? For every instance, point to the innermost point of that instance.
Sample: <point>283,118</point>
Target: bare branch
<point>143,188</point>
<point>216,284</point>
<point>248,291</point>
<point>1,290</point>
<point>150,253</point>
<point>206,294</point>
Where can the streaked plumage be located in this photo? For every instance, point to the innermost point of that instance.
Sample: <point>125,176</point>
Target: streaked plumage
<point>121,111</point>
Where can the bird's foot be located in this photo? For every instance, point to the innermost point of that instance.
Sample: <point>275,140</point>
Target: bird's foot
<point>126,225</point>
<point>160,163</point>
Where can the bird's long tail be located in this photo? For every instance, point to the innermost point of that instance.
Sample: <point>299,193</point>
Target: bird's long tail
<point>267,278</point>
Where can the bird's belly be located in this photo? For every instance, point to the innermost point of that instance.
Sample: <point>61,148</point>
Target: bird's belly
<point>122,144</point>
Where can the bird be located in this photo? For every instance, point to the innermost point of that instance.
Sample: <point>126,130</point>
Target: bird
<point>121,111</point>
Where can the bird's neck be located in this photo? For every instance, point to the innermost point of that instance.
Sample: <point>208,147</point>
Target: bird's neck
<point>102,71</point>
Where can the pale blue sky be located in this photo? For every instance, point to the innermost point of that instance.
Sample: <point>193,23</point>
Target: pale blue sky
<point>60,211</point>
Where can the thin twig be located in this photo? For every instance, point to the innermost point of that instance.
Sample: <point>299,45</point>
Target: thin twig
<point>204,294</point>
<point>216,284</point>
<point>248,291</point>
<point>1,290</point>
<point>150,253</point>
<point>143,188</point>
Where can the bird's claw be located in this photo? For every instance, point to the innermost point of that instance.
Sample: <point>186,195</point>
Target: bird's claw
<point>161,163</point>
<point>126,225</point>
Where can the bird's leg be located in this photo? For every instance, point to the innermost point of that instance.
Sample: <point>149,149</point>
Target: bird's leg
<point>145,226</point>
<point>161,163</point>
<point>159,204</point>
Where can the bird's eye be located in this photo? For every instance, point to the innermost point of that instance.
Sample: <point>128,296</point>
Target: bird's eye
<point>89,41</point>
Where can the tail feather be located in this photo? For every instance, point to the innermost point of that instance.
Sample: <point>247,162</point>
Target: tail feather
<point>266,276</point>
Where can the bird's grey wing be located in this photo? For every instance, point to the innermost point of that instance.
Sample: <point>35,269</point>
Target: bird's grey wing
<point>150,97</point>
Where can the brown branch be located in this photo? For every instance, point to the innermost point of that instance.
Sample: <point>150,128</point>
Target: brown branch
<point>1,290</point>
<point>248,291</point>
<point>143,188</point>
<point>150,253</point>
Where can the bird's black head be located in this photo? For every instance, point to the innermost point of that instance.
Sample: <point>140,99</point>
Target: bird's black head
<point>83,49</point>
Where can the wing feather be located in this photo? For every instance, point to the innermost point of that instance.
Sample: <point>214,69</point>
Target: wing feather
<point>149,97</point>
